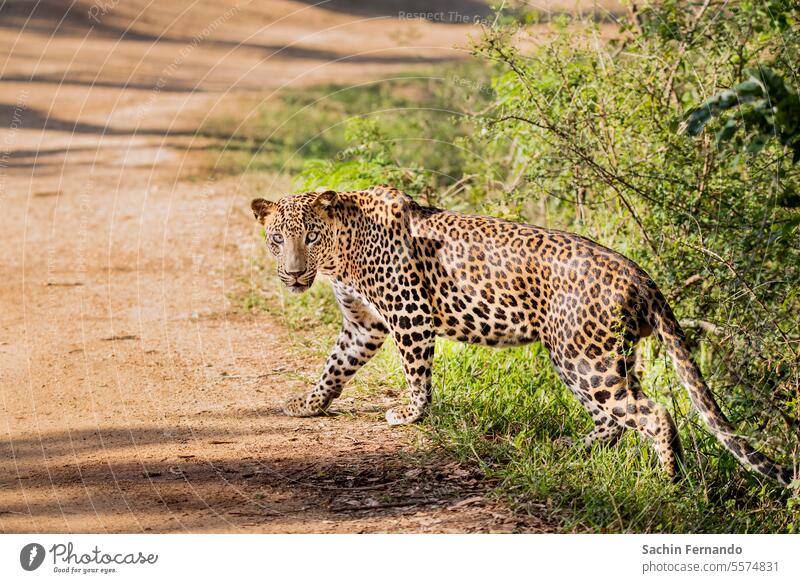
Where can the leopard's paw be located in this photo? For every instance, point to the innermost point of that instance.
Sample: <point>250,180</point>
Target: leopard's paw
<point>404,415</point>
<point>302,406</point>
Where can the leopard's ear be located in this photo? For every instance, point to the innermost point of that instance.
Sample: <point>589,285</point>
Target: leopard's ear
<point>262,209</point>
<point>326,200</point>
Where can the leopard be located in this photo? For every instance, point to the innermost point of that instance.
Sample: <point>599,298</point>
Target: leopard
<point>416,273</point>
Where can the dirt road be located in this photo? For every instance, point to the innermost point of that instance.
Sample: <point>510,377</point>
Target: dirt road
<point>133,396</point>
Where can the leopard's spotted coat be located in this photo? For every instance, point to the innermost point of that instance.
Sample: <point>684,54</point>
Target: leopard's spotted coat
<point>418,272</point>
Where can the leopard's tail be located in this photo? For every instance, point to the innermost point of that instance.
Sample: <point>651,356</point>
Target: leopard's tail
<point>669,332</point>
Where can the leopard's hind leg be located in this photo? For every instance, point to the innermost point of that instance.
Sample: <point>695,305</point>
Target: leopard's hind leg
<point>610,390</point>
<point>606,431</point>
<point>621,397</point>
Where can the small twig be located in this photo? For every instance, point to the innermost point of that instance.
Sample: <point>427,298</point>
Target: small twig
<point>669,89</point>
<point>678,293</point>
<point>399,504</point>
<point>348,488</point>
<point>790,423</point>
<point>704,325</point>
<point>749,290</point>
<point>692,279</point>
<point>707,159</point>
<point>457,186</point>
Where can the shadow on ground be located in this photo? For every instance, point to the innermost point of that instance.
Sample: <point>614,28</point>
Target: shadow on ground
<point>221,485</point>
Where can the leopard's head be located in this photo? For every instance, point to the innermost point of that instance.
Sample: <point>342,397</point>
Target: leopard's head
<point>299,232</point>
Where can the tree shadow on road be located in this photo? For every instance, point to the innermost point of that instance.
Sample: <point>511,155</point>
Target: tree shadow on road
<point>128,480</point>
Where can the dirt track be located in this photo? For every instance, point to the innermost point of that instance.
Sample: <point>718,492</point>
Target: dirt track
<point>133,397</point>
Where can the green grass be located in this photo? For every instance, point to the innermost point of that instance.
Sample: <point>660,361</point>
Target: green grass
<point>507,411</point>
<point>502,410</point>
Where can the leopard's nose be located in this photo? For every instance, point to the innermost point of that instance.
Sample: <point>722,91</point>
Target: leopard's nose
<point>295,274</point>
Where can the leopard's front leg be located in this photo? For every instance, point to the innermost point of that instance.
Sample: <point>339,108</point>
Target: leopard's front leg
<point>361,336</point>
<point>416,349</point>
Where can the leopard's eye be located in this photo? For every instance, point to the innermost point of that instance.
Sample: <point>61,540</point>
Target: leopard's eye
<point>312,237</point>
<point>277,238</point>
